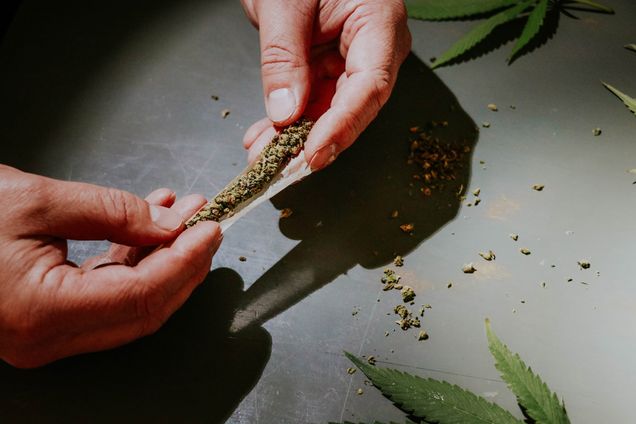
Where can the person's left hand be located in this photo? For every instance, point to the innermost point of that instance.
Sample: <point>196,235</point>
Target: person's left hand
<point>334,61</point>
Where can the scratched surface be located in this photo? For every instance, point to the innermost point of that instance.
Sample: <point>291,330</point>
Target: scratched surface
<point>119,95</point>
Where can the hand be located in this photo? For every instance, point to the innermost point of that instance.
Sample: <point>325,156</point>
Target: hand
<point>335,61</point>
<point>51,308</point>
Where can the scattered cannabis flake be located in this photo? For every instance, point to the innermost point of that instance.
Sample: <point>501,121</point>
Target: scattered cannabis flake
<point>449,285</point>
<point>225,113</point>
<point>469,269</point>
<point>538,187</point>
<point>485,124</point>
<point>476,192</point>
<point>406,320</point>
<point>540,404</point>
<point>423,335</point>
<point>407,228</point>
<point>371,360</point>
<point>274,157</point>
<point>497,12</point>
<point>492,107</point>
<point>525,251</point>
<point>286,213</point>
<point>596,132</point>
<point>359,392</point>
<point>432,400</point>
<point>584,264</point>
<point>408,294</point>
<point>436,162</point>
<point>242,258</point>
<point>489,256</point>
<point>398,261</point>
<point>515,237</point>
<point>477,201</point>
<point>630,102</point>
<point>390,279</point>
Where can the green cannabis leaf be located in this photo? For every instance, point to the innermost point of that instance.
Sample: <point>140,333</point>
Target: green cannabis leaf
<point>480,32</point>
<point>535,21</point>
<point>436,10</point>
<point>433,400</point>
<point>533,395</point>
<point>498,12</point>
<point>630,102</point>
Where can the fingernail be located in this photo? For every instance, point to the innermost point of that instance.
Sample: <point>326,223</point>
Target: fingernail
<point>165,218</point>
<point>323,157</point>
<point>281,104</point>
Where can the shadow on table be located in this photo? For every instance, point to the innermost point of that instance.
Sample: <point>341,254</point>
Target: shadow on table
<point>191,371</point>
<point>342,214</point>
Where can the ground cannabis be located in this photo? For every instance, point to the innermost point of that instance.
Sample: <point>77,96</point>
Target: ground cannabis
<point>493,107</point>
<point>469,269</point>
<point>275,156</point>
<point>398,261</point>
<point>225,113</point>
<point>351,370</point>
<point>584,264</point>
<point>515,237</point>
<point>390,279</point>
<point>489,256</point>
<point>408,294</point>
<point>538,187</point>
<point>525,251</point>
<point>422,336</point>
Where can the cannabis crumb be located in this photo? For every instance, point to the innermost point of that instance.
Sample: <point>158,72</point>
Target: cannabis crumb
<point>398,261</point>
<point>596,132</point>
<point>543,284</point>
<point>225,113</point>
<point>359,392</point>
<point>515,237</point>
<point>286,213</point>
<point>493,107</point>
<point>538,187</point>
<point>489,256</point>
<point>423,335</point>
<point>390,279</point>
<point>469,269</point>
<point>242,258</point>
<point>407,228</point>
<point>407,294</point>
<point>584,264</point>
<point>525,251</point>
<point>371,360</point>
<point>476,192</point>
<point>449,285</point>
<point>351,370</point>
<point>477,201</point>
<point>485,124</point>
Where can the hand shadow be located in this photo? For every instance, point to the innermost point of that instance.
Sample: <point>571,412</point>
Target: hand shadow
<point>191,371</point>
<point>342,215</point>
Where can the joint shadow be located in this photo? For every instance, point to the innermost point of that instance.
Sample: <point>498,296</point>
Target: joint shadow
<point>342,214</point>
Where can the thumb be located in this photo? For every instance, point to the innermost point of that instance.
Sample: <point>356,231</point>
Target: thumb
<point>285,36</point>
<point>87,212</point>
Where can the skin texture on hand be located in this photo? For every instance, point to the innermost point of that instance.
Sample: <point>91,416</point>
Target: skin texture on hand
<point>51,308</point>
<point>334,61</point>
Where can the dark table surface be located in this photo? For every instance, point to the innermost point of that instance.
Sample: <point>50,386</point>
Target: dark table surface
<point>118,94</point>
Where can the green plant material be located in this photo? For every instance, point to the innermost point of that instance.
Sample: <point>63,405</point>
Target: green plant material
<point>498,12</point>
<point>480,32</point>
<point>437,10</point>
<point>631,47</point>
<point>538,401</point>
<point>535,21</point>
<point>433,400</point>
<point>593,5</point>
<point>630,102</point>
<point>283,147</point>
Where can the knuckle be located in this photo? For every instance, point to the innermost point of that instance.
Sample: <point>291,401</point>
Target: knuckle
<point>119,207</point>
<point>277,57</point>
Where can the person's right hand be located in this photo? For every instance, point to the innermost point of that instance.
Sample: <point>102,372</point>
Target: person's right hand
<point>51,308</point>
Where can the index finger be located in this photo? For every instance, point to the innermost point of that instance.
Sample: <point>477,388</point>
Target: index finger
<point>375,41</point>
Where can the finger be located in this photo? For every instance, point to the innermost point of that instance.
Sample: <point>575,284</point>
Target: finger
<point>259,144</point>
<point>375,41</point>
<point>285,37</point>
<point>119,253</point>
<point>114,305</point>
<point>88,212</point>
<point>254,131</point>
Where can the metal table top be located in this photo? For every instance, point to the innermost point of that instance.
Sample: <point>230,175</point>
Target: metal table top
<point>118,94</point>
